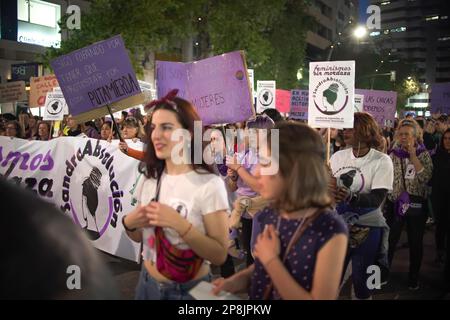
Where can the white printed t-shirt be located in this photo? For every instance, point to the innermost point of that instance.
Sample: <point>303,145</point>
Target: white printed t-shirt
<point>192,194</point>
<point>361,175</point>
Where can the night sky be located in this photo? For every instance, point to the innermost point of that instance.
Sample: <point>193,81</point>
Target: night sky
<point>363,4</point>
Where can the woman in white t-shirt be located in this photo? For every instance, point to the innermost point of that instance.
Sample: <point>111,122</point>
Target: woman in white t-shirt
<point>181,213</point>
<point>364,176</point>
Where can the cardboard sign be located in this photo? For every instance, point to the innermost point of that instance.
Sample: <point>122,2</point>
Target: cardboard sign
<point>95,76</point>
<point>283,100</point>
<point>299,105</point>
<point>331,94</point>
<point>440,98</point>
<point>265,95</point>
<point>218,87</point>
<point>13,91</point>
<point>54,106</point>
<point>380,104</point>
<point>39,86</point>
<point>66,107</point>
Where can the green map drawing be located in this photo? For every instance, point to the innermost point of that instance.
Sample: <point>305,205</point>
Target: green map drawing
<point>331,93</point>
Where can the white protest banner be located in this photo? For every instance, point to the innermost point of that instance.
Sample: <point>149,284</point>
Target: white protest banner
<point>359,102</point>
<point>54,106</point>
<point>331,94</point>
<point>13,91</point>
<point>265,93</point>
<point>89,180</point>
<point>299,105</point>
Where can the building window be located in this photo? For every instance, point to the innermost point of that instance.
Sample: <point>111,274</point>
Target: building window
<point>38,23</point>
<point>324,32</point>
<point>400,29</point>
<point>324,9</point>
<point>341,16</point>
<point>431,18</point>
<point>39,12</point>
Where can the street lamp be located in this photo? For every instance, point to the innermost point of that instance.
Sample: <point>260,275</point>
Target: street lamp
<point>359,33</point>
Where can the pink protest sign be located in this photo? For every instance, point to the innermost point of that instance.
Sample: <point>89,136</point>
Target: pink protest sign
<point>283,100</point>
<point>218,86</point>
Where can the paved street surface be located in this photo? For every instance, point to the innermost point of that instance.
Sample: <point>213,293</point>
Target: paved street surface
<point>126,274</point>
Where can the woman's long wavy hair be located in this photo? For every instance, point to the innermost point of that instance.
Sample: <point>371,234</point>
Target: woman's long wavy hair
<point>186,115</point>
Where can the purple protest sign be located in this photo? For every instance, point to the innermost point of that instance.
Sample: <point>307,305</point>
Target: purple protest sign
<point>299,105</point>
<point>440,98</point>
<point>380,104</point>
<point>218,87</point>
<point>96,75</point>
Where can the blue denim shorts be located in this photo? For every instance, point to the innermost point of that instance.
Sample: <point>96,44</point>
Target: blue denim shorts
<point>150,289</point>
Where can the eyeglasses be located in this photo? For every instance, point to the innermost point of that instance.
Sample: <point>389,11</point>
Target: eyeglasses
<point>131,122</point>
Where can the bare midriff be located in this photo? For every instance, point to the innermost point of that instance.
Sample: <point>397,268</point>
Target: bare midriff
<point>154,273</point>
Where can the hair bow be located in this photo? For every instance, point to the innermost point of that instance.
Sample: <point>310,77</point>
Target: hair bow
<point>168,98</point>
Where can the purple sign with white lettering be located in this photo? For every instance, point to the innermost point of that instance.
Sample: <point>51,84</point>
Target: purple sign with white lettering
<point>299,105</point>
<point>96,75</point>
<point>440,98</point>
<point>380,104</point>
<point>218,87</point>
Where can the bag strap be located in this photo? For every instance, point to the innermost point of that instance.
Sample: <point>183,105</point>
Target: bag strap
<point>158,188</point>
<point>156,197</point>
<point>295,237</point>
<point>158,185</point>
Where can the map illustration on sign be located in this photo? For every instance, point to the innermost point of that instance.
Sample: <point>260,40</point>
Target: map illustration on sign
<point>55,107</point>
<point>330,98</point>
<point>266,97</point>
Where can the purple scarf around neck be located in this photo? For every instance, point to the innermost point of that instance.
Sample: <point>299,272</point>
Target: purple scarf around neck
<point>399,152</point>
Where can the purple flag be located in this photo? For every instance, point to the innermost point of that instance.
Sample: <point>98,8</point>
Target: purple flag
<point>96,75</point>
<point>380,104</point>
<point>218,87</point>
<point>440,98</point>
